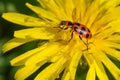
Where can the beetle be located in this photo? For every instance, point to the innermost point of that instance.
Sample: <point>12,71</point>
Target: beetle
<point>78,28</point>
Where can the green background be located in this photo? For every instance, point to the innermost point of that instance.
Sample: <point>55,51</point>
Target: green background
<point>6,33</point>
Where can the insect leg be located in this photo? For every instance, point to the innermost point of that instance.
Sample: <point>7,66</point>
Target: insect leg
<point>71,36</point>
<point>84,42</point>
<point>87,44</point>
<point>80,37</point>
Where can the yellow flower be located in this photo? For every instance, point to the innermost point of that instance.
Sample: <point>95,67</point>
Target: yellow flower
<point>100,16</point>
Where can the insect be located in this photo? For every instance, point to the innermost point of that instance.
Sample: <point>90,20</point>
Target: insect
<point>80,29</point>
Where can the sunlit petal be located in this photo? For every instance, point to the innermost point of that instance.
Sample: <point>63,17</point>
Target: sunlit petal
<point>34,33</point>
<point>15,42</point>
<point>20,60</point>
<point>51,70</point>
<point>91,73</point>
<point>23,19</point>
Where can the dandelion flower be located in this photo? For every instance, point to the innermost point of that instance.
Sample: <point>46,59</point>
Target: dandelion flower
<point>101,17</point>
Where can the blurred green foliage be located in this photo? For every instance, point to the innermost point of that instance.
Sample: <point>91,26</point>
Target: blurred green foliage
<point>6,33</point>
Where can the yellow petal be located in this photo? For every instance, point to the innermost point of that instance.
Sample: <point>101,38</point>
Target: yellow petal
<point>45,54</point>
<point>51,72</point>
<point>59,3</point>
<point>67,76</point>
<point>103,18</point>
<point>110,4</point>
<point>91,73</point>
<point>22,19</point>
<point>69,6</point>
<point>116,12</point>
<point>81,6</point>
<point>73,64</point>
<point>116,24</point>
<point>34,33</point>
<point>32,63</point>
<point>109,48</point>
<point>110,44</point>
<point>80,10</point>
<point>20,60</point>
<point>114,53</point>
<point>56,57</point>
<point>110,65</point>
<point>26,71</point>
<point>89,16</point>
<point>58,10</point>
<point>115,71</point>
<point>96,68</point>
<point>70,71</point>
<point>15,42</point>
<point>100,70</point>
<point>49,4</point>
<point>43,13</point>
<point>89,58</point>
